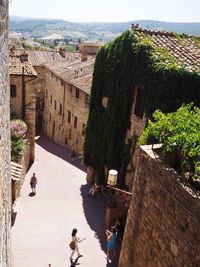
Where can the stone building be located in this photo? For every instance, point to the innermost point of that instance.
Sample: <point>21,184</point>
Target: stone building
<point>22,93</point>
<point>163,223</point>
<point>183,52</point>
<point>88,48</point>
<point>5,181</point>
<point>62,92</point>
<point>187,54</point>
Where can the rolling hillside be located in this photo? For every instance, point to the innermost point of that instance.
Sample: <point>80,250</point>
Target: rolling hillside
<point>93,31</point>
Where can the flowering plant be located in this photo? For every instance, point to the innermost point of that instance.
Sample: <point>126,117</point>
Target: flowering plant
<point>18,131</point>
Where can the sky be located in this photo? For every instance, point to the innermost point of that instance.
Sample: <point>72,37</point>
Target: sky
<point>108,10</point>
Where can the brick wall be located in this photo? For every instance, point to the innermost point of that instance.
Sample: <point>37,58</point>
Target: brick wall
<point>5,197</point>
<point>163,224</point>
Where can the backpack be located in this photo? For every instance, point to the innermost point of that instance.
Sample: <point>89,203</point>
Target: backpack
<point>72,245</point>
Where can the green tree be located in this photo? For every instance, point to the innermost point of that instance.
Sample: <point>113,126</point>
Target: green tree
<point>180,133</point>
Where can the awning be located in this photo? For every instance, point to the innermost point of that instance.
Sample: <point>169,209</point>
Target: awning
<point>16,170</point>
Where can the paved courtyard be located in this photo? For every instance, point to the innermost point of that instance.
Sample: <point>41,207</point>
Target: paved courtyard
<point>43,224</point>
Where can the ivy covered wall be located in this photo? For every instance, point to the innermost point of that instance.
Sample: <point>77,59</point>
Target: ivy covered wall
<point>131,60</point>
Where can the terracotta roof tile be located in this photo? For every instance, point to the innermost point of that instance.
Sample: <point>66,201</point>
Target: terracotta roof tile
<point>15,66</point>
<point>77,73</point>
<point>183,49</point>
<point>39,58</point>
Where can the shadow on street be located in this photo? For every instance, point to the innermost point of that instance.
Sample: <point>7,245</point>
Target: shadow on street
<point>59,151</point>
<point>95,211</point>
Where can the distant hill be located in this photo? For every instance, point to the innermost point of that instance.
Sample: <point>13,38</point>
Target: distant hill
<point>92,31</point>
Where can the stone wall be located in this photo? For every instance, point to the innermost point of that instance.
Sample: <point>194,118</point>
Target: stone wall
<point>5,194</point>
<point>135,131</point>
<point>163,223</point>
<point>56,122</point>
<point>40,86</point>
<point>24,165</point>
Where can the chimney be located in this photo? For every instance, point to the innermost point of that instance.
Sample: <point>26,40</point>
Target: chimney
<point>135,26</point>
<point>83,54</point>
<point>62,52</point>
<point>75,73</point>
<point>24,57</point>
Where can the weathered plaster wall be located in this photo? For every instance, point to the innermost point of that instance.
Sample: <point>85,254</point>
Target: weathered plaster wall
<point>163,224</point>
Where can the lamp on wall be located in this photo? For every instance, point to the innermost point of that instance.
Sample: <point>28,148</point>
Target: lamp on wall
<point>112,178</point>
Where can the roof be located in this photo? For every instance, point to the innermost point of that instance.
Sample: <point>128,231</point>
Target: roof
<point>183,48</point>
<point>77,73</point>
<point>16,66</point>
<point>39,58</point>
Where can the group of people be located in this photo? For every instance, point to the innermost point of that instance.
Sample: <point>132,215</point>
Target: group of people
<point>112,236</point>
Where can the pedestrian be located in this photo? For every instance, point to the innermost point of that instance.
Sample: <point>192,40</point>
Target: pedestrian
<point>111,241</point>
<point>75,241</point>
<point>33,183</point>
<point>118,226</point>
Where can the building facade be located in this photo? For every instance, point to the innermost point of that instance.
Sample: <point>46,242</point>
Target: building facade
<point>62,92</point>
<point>5,180</point>
<point>22,93</point>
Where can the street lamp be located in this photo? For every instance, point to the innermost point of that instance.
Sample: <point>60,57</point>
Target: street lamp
<point>112,177</point>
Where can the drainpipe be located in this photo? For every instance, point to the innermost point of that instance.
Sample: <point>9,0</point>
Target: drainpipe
<point>23,95</point>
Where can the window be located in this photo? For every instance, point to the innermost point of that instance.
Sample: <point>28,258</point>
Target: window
<point>139,105</point>
<point>51,99</point>
<point>62,83</point>
<point>77,93</point>
<point>69,116</point>
<point>55,104</point>
<point>13,90</point>
<point>42,106</point>
<point>75,122</point>
<point>60,109</point>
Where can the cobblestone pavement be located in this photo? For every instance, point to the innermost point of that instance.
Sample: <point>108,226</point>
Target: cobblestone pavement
<point>43,224</point>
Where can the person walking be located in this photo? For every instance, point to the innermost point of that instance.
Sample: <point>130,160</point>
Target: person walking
<point>74,242</point>
<point>33,183</point>
<point>111,241</point>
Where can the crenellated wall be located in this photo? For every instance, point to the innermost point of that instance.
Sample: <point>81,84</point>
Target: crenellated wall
<point>163,223</point>
<point>5,194</point>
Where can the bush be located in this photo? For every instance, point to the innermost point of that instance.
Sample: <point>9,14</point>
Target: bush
<point>18,130</point>
<point>180,133</point>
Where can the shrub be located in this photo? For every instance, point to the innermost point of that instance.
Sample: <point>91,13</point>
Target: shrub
<point>179,132</point>
<point>18,130</point>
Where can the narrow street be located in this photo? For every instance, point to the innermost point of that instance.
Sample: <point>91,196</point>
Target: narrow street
<point>42,229</point>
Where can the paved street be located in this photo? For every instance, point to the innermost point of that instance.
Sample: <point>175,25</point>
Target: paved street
<point>43,224</point>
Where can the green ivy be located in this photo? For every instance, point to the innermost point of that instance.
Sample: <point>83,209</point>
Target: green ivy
<point>178,132</point>
<point>131,60</point>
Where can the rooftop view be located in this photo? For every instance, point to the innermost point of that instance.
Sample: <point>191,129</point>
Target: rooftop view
<point>100,133</point>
